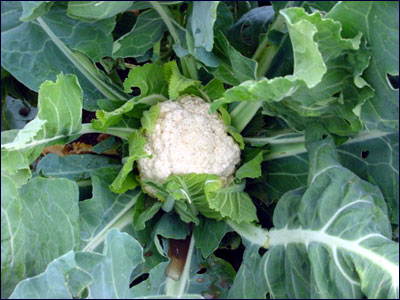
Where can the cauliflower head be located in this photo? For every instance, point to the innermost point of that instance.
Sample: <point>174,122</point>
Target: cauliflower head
<point>188,139</point>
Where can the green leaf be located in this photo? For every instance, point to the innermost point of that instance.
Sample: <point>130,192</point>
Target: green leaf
<point>246,33</point>
<point>249,281</point>
<point>149,78</point>
<point>34,9</point>
<point>230,201</point>
<point>126,179</point>
<point>208,235</point>
<point>59,116</point>
<point>104,209</point>
<point>92,11</point>
<point>54,282</point>
<point>379,24</point>
<point>190,188</point>
<point>373,156</point>
<point>202,22</point>
<point>186,212</point>
<point>149,119</point>
<point>74,167</point>
<point>331,92</point>
<point>63,38</point>
<point>214,89</point>
<point>28,245</point>
<point>251,168</point>
<point>145,209</point>
<point>111,270</point>
<point>339,221</point>
<point>146,32</point>
<point>236,136</point>
<point>177,83</point>
<point>234,68</point>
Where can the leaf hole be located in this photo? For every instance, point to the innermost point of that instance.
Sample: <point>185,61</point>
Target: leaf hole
<point>201,271</point>
<point>324,136</point>
<point>139,279</point>
<point>24,111</point>
<point>393,81</point>
<point>261,251</point>
<point>336,95</point>
<point>364,154</point>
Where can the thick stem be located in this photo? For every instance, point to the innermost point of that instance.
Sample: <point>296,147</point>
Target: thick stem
<point>252,233</point>
<point>243,113</point>
<point>176,288</point>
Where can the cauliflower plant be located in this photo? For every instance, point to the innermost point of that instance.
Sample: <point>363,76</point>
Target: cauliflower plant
<point>188,139</point>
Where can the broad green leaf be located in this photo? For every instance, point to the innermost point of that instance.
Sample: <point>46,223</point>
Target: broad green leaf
<point>54,282</point>
<point>373,156</point>
<point>331,92</point>
<point>177,83</point>
<point>74,167</point>
<point>37,226</point>
<point>144,210</point>
<point>214,89</point>
<point>190,189</point>
<point>215,278</point>
<point>148,29</point>
<point>186,212</point>
<point>249,281</point>
<point>202,23</point>
<point>16,113</point>
<point>149,119</point>
<point>245,34</point>
<point>153,285</point>
<point>111,270</point>
<point>230,201</point>
<point>34,9</point>
<point>251,168</point>
<point>126,179</point>
<point>208,235</point>
<point>149,78</point>
<point>339,222</point>
<point>104,209</point>
<point>234,68</point>
<point>379,24</point>
<point>92,11</point>
<point>59,116</point>
<point>23,54</point>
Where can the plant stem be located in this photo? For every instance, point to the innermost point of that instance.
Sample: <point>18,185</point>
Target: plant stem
<point>121,132</point>
<point>176,288</point>
<point>243,113</point>
<point>188,63</point>
<point>252,233</point>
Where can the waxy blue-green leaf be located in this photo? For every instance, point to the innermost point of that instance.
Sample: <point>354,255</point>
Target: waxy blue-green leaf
<point>208,235</point>
<point>23,54</point>
<point>37,226</point>
<point>104,209</point>
<point>59,116</point>
<point>34,9</point>
<point>234,68</point>
<point>231,201</point>
<point>92,11</point>
<point>146,32</point>
<point>54,282</point>
<point>326,83</point>
<point>105,275</point>
<point>75,167</point>
<point>379,24</point>
<point>111,270</point>
<point>202,23</point>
